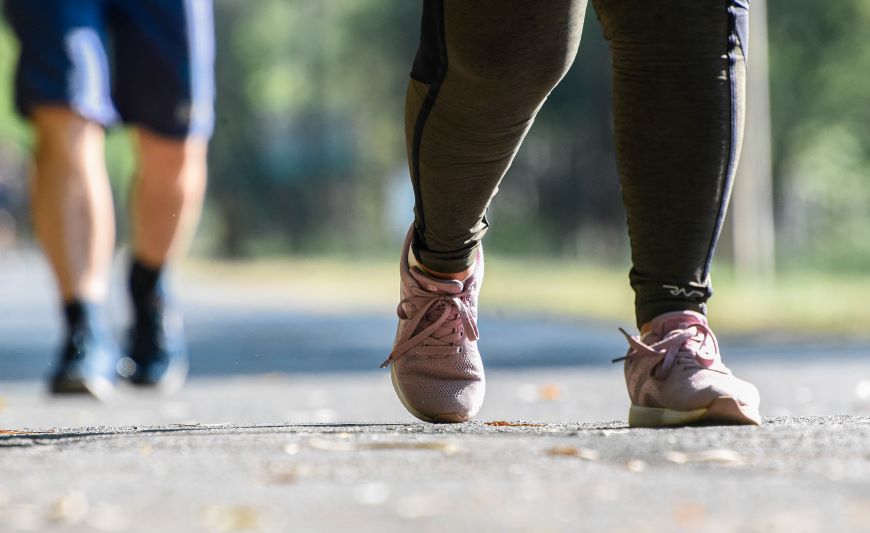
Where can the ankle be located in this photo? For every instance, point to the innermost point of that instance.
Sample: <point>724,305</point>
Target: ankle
<point>81,315</point>
<point>458,276</point>
<point>645,328</point>
<point>145,284</point>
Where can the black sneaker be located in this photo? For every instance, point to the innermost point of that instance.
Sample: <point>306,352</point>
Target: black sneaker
<point>157,355</point>
<point>87,364</point>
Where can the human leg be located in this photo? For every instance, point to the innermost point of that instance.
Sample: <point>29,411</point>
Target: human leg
<point>72,202</point>
<point>167,195</point>
<point>481,73</point>
<point>62,87</point>
<point>678,71</point>
<point>165,206</point>
<point>164,88</point>
<point>678,82</point>
<point>74,221</point>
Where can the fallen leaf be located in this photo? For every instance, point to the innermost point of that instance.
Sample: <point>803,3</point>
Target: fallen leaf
<point>570,451</point>
<point>71,508</point>
<point>550,393</point>
<point>232,518</point>
<point>721,456</point>
<point>286,474</point>
<point>447,447</point>
<point>146,449</point>
<point>331,445</point>
<point>505,423</point>
<point>689,515</point>
<point>635,465</point>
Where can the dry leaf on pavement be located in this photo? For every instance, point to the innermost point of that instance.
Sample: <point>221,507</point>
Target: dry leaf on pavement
<point>570,451</point>
<point>506,424</point>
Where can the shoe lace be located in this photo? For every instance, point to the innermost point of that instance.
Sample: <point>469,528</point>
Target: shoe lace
<point>684,347</point>
<point>449,318</point>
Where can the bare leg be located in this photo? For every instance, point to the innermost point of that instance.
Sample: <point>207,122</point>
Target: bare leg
<point>74,220</point>
<point>166,203</point>
<point>167,195</point>
<point>72,202</point>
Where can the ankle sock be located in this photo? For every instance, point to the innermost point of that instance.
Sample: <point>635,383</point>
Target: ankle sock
<point>413,262</point>
<point>80,314</point>
<point>145,285</point>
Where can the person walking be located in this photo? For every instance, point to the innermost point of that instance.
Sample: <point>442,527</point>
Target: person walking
<point>482,71</point>
<point>86,65</point>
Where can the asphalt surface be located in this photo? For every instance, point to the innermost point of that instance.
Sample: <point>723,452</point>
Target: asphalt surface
<point>287,425</point>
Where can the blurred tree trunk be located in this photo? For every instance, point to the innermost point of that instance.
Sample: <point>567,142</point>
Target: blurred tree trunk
<point>752,200</point>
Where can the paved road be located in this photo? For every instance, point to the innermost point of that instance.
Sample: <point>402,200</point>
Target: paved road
<point>288,426</point>
<point>791,475</point>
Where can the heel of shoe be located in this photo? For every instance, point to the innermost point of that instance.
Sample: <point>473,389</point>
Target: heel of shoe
<point>723,411</point>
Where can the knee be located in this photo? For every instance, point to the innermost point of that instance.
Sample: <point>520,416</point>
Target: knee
<point>167,160</point>
<point>64,138</point>
<point>515,72</point>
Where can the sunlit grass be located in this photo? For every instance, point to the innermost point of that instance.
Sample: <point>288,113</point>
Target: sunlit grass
<point>801,302</point>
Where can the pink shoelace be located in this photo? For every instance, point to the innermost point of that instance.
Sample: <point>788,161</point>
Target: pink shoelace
<point>685,347</point>
<point>439,339</point>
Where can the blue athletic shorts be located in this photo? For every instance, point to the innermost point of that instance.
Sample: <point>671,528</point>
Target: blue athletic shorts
<point>143,62</point>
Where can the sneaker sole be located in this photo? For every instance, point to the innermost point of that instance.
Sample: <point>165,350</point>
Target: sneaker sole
<point>447,418</point>
<point>101,389</point>
<point>723,411</point>
<point>170,384</point>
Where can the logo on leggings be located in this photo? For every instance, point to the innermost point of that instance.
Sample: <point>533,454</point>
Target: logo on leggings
<point>679,291</point>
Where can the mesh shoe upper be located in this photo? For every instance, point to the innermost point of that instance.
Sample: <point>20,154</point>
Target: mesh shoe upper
<point>87,361</point>
<point>677,366</point>
<point>437,368</point>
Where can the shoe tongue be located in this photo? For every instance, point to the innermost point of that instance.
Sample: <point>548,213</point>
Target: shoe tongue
<point>667,322</point>
<point>443,286</point>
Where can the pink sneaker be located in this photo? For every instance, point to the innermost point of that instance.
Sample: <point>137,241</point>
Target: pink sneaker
<point>675,377</point>
<point>437,371</point>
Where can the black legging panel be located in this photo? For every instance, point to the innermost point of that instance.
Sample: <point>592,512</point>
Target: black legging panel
<point>484,69</point>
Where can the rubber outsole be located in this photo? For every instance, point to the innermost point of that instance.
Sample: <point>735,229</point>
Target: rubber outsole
<point>101,389</point>
<point>169,384</point>
<point>445,418</point>
<point>723,411</point>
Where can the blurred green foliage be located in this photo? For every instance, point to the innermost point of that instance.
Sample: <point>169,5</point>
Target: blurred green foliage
<point>820,91</point>
<point>308,154</point>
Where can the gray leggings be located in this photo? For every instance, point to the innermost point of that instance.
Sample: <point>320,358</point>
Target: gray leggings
<point>485,67</point>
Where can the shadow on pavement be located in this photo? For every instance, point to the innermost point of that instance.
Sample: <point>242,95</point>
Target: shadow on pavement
<point>256,343</point>
<point>223,344</point>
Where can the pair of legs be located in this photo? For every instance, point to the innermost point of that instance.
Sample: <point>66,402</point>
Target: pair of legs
<point>161,83</point>
<point>72,204</point>
<point>74,220</point>
<point>482,72</point>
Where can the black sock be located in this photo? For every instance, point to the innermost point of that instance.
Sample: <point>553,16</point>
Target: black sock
<point>80,314</point>
<point>145,286</point>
